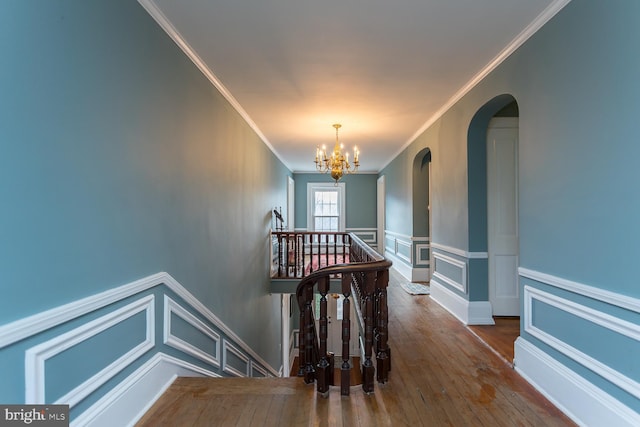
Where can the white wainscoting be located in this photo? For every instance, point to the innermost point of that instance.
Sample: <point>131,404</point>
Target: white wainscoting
<point>172,307</point>
<point>125,399</point>
<point>125,404</point>
<point>403,251</point>
<point>468,312</point>
<point>35,357</point>
<point>580,399</point>
<point>227,349</point>
<point>367,235</point>
<point>462,284</point>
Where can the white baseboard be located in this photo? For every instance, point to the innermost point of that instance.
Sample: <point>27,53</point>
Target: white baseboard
<point>578,398</point>
<point>468,312</point>
<point>126,403</point>
<point>407,271</point>
<point>420,275</point>
<point>400,266</point>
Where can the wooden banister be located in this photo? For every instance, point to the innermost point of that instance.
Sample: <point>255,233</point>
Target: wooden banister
<point>364,281</point>
<point>299,253</point>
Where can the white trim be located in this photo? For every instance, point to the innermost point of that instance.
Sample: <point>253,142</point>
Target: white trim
<point>400,266</point>
<point>604,320</point>
<point>609,297</point>
<point>578,398</point>
<point>530,30</point>
<point>170,306</point>
<point>167,26</point>
<point>257,368</point>
<point>437,275</point>
<point>31,325</point>
<point>35,357</point>
<point>461,286</point>
<point>227,347</point>
<point>202,309</point>
<point>459,252</point>
<point>400,255</point>
<point>477,255</point>
<point>126,403</point>
<point>419,247</point>
<point>402,236</point>
<point>468,312</point>
<point>362,232</point>
<point>420,274</point>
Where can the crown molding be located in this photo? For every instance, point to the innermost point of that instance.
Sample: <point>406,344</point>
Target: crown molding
<point>546,15</point>
<point>167,26</point>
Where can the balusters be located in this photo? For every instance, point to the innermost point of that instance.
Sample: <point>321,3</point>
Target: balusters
<point>345,369</point>
<point>323,364</point>
<point>364,285</point>
<point>309,336</point>
<point>383,356</point>
<point>367,368</point>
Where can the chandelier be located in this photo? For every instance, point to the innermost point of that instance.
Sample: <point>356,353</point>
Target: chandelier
<point>337,163</point>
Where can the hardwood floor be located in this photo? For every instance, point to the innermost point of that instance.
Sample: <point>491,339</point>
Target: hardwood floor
<point>501,336</point>
<point>442,375</point>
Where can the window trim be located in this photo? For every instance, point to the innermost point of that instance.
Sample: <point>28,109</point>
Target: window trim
<point>312,187</point>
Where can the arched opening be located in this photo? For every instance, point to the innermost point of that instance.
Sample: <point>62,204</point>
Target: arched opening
<point>421,233</point>
<point>493,219</point>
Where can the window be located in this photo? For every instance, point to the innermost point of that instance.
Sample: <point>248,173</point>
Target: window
<point>325,211</point>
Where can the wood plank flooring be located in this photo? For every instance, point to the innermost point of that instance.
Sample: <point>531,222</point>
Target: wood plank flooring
<point>442,375</point>
<point>501,336</point>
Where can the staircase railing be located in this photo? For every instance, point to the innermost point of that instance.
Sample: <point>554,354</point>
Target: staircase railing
<point>364,280</point>
<point>297,254</point>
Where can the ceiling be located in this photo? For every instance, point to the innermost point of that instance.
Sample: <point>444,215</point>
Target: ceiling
<point>383,69</point>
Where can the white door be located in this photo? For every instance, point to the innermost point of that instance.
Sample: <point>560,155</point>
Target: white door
<point>502,212</point>
<point>380,215</point>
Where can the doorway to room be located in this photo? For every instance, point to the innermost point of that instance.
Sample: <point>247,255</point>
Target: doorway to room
<point>493,218</point>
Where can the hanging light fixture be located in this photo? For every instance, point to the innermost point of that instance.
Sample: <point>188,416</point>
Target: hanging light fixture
<point>337,163</point>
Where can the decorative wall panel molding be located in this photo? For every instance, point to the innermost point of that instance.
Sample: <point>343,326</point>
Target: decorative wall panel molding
<point>611,323</point>
<point>35,357</point>
<point>126,403</point>
<point>461,284</point>
<point>468,312</point>
<point>229,352</point>
<point>211,357</point>
<point>580,399</point>
<point>459,252</point>
<point>368,235</point>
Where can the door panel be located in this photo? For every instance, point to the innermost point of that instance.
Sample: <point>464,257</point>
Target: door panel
<point>502,216</point>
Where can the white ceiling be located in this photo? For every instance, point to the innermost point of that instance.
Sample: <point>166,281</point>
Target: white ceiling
<point>384,69</point>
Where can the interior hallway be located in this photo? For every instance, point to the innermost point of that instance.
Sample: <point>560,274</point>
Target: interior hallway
<point>442,375</point>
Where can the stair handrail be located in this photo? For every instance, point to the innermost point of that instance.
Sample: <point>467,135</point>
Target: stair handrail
<point>366,280</point>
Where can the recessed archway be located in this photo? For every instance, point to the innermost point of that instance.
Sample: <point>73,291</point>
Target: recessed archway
<point>482,243</point>
<point>421,231</point>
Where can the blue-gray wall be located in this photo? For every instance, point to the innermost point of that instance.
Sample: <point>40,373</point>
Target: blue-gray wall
<point>578,94</point>
<point>360,194</point>
<point>118,160</point>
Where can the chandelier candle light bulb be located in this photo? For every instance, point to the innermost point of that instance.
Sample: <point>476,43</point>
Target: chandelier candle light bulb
<point>337,163</point>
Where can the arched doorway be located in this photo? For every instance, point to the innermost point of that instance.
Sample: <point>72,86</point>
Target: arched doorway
<point>421,232</point>
<point>493,219</point>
